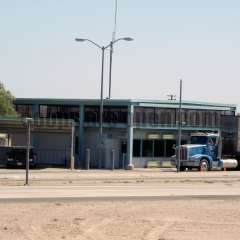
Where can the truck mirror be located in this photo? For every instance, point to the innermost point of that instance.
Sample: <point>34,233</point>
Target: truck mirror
<point>174,146</point>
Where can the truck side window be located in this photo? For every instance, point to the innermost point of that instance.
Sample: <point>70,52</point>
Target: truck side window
<point>212,141</point>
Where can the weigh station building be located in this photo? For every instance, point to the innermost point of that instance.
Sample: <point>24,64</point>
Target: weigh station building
<point>136,132</point>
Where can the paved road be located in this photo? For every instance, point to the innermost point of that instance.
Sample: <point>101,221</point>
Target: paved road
<point>133,191</point>
<point>138,184</point>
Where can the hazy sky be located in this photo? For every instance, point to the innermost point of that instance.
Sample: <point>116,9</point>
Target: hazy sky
<point>198,41</point>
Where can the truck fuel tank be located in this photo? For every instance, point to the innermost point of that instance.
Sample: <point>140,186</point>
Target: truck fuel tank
<point>229,163</point>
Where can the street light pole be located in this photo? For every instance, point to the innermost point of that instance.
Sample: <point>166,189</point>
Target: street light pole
<point>179,127</point>
<point>101,110</point>
<point>103,48</point>
<point>27,123</point>
<point>110,70</point>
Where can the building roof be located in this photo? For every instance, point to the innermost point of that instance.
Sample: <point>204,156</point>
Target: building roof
<point>135,102</point>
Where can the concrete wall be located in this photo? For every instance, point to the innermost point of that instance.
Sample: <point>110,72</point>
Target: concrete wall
<point>143,134</point>
<point>112,140</point>
<point>142,162</point>
<point>52,148</point>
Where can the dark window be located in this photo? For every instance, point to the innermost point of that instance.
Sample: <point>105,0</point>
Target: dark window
<point>136,148</point>
<point>184,114</point>
<point>92,114</point>
<point>191,118</point>
<point>24,110</point>
<point>147,115</point>
<point>158,148</point>
<point>199,140</point>
<point>59,112</point>
<point>76,144</point>
<point>111,114</point>
<point>228,113</point>
<point>43,111</point>
<point>208,119</point>
<point>218,119</point>
<point>137,116</point>
<point>201,118</point>
<point>228,145</point>
<point>165,116</point>
<point>170,151</point>
<point>229,123</point>
<point>147,148</point>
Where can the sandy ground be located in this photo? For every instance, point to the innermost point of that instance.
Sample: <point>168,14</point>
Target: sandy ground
<point>151,220</point>
<point>13,177</point>
<point>155,219</point>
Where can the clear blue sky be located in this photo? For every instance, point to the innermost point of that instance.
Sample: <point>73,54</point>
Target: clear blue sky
<point>198,41</point>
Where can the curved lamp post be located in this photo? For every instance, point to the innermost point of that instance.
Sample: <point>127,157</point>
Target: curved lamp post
<point>103,48</point>
<point>110,63</point>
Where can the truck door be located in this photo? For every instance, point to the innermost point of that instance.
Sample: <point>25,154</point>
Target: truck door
<point>213,148</point>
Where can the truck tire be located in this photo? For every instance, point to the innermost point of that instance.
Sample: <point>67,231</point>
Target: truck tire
<point>204,165</point>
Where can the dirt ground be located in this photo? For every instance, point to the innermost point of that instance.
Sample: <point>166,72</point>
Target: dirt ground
<point>175,219</point>
<point>115,220</point>
<point>13,177</point>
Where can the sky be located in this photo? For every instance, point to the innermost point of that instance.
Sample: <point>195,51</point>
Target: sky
<point>196,41</point>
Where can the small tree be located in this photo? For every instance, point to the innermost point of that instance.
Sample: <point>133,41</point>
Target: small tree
<point>6,102</point>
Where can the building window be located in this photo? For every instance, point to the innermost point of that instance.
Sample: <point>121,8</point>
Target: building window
<point>91,114</point>
<point>158,148</point>
<point>136,148</point>
<point>59,112</point>
<point>154,116</point>
<point>191,118</point>
<point>24,110</point>
<point>147,148</point>
<point>111,114</point>
<point>170,151</point>
<point>43,111</point>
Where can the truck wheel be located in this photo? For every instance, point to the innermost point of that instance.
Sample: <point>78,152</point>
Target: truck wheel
<point>204,166</point>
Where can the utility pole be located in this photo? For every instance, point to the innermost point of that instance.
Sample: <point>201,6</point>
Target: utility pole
<point>179,127</point>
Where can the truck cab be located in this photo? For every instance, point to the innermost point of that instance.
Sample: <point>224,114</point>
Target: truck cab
<point>203,153</point>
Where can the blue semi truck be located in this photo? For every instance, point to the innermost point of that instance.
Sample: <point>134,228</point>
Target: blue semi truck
<point>203,153</point>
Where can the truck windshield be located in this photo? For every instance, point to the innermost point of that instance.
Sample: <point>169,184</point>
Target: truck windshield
<point>199,140</point>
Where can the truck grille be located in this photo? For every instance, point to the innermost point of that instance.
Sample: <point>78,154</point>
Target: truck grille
<point>183,153</point>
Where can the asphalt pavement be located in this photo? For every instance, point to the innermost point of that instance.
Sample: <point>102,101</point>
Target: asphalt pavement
<point>128,191</point>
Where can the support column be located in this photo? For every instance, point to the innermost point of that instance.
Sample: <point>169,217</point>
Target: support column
<point>72,159</point>
<point>35,113</point>
<point>35,116</point>
<point>81,150</point>
<point>129,165</point>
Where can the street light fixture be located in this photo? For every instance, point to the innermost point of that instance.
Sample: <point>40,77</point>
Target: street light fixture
<point>103,48</point>
<point>110,63</point>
